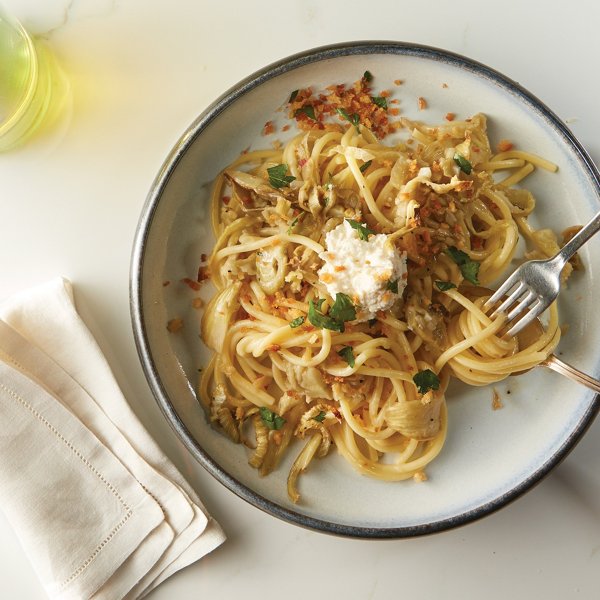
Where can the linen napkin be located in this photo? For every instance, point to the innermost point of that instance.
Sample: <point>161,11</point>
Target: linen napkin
<point>98,508</point>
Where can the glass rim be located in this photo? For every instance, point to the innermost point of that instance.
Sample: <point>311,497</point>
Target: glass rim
<point>30,88</point>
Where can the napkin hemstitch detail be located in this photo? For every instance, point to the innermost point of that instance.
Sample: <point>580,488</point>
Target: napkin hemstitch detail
<point>93,469</point>
<point>6,358</point>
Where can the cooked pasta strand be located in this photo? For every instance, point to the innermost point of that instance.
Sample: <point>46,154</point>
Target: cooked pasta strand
<point>293,362</point>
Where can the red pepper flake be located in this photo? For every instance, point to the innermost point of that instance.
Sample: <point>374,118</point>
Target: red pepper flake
<point>245,198</point>
<point>505,145</point>
<point>166,283</point>
<point>203,257</point>
<point>273,348</point>
<point>194,285</point>
<point>422,103</point>
<point>285,128</point>
<point>398,81</point>
<point>226,200</point>
<point>476,243</point>
<point>450,116</point>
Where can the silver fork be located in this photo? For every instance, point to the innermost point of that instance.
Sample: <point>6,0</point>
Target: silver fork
<point>536,283</point>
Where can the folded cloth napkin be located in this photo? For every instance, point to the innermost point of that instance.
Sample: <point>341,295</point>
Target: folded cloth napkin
<point>98,508</point>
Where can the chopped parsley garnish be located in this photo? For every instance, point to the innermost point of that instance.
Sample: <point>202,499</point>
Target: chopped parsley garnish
<point>348,355</point>
<point>278,177</point>
<point>380,101</point>
<point>307,110</point>
<point>444,286</point>
<point>293,224</point>
<point>342,309</point>
<point>353,118</point>
<point>368,76</point>
<point>392,286</point>
<point>468,267</point>
<point>297,322</point>
<point>270,419</point>
<point>363,232</point>
<point>320,417</point>
<point>426,380</point>
<point>318,319</point>
<point>365,166</point>
<point>293,96</point>
<point>463,163</point>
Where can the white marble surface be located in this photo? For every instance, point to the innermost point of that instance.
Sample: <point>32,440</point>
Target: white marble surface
<point>140,72</point>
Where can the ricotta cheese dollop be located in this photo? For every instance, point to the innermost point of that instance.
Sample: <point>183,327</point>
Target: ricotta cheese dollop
<point>372,272</point>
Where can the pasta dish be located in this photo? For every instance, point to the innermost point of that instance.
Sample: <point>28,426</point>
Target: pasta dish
<point>350,276</point>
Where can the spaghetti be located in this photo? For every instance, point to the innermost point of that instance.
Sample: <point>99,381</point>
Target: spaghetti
<point>292,360</point>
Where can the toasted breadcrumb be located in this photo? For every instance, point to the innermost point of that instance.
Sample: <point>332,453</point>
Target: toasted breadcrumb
<point>345,103</point>
<point>175,325</point>
<point>420,476</point>
<point>268,128</point>
<point>194,285</point>
<point>422,103</point>
<point>567,234</point>
<point>496,401</point>
<point>203,274</point>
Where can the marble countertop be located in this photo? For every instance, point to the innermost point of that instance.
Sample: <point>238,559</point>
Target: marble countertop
<point>140,72</point>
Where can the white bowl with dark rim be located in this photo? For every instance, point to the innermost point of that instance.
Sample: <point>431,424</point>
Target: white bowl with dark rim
<point>490,457</point>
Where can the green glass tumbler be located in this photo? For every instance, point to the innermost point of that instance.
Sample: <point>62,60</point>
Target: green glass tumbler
<point>32,84</point>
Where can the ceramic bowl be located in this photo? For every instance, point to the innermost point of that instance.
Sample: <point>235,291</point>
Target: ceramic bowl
<point>490,456</point>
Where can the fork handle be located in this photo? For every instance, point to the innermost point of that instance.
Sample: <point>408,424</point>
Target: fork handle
<point>554,363</point>
<point>580,238</point>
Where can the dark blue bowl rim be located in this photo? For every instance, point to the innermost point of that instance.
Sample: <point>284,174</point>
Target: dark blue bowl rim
<point>136,282</point>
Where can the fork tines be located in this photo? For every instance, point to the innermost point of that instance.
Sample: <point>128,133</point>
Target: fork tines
<point>523,300</point>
